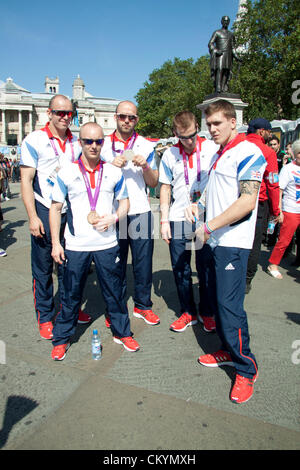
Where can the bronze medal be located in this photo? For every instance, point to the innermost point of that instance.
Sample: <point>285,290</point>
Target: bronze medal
<point>93,217</point>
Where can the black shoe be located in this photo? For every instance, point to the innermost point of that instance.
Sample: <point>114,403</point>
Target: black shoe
<point>296,263</point>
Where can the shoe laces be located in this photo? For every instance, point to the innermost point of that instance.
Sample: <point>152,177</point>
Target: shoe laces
<point>45,326</point>
<point>186,317</point>
<point>241,381</point>
<point>60,348</point>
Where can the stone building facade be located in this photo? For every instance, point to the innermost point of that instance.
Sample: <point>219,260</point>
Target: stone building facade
<point>22,111</point>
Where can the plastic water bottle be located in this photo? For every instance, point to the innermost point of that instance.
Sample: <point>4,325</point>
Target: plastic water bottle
<point>273,178</point>
<point>271,226</point>
<point>96,346</point>
<point>212,242</point>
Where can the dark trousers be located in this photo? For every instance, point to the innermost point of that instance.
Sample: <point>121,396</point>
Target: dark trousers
<point>231,321</point>
<point>135,232</point>
<point>180,252</point>
<point>262,215</point>
<point>42,268</point>
<point>207,281</point>
<point>109,273</point>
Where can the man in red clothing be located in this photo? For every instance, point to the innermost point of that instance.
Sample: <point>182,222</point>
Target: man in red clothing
<point>258,132</point>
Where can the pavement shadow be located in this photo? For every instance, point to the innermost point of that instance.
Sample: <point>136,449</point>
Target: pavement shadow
<point>293,316</point>
<point>7,237</point>
<point>17,407</point>
<point>165,287</point>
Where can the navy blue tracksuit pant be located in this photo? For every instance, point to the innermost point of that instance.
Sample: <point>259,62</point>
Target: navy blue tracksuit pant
<point>180,252</point>
<point>135,232</point>
<point>42,268</point>
<point>109,273</point>
<point>231,320</point>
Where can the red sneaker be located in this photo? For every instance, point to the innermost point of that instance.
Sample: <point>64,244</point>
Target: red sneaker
<point>209,323</point>
<point>183,322</point>
<point>83,318</point>
<point>147,315</point>
<point>107,321</point>
<point>128,342</point>
<point>219,358</point>
<point>46,330</point>
<point>59,352</point>
<point>242,389</point>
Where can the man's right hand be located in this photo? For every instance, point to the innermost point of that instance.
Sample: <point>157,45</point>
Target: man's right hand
<point>58,253</point>
<point>36,227</point>
<point>119,161</point>
<point>191,213</point>
<point>166,232</point>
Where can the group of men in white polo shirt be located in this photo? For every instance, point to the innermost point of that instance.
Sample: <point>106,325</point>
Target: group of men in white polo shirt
<point>93,194</point>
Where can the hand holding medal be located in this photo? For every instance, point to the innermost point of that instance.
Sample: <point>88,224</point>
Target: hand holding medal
<point>105,221</point>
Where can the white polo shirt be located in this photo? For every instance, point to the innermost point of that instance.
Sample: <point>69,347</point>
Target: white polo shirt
<point>240,162</point>
<point>38,152</point>
<point>171,172</point>
<point>289,182</point>
<point>70,186</point>
<point>133,175</point>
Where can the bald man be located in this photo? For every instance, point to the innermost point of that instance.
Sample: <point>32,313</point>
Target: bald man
<point>135,155</point>
<point>92,189</point>
<point>43,153</point>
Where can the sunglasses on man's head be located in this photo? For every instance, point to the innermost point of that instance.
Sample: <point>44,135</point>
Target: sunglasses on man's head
<point>131,117</point>
<point>91,141</point>
<point>61,113</point>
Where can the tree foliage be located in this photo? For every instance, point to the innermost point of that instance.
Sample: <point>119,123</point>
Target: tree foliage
<point>269,34</point>
<point>177,85</point>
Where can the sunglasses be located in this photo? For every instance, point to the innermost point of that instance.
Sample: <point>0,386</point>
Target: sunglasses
<point>131,117</point>
<point>91,141</point>
<point>182,137</point>
<point>62,114</point>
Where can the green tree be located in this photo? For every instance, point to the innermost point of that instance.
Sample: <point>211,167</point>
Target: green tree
<point>177,85</point>
<point>270,34</point>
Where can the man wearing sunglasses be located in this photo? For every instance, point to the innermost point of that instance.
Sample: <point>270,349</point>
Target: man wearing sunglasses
<point>135,155</point>
<point>43,152</point>
<point>91,188</point>
<point>183,175</point>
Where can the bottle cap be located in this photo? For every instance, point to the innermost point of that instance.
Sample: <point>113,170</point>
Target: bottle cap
<point>95,332</point>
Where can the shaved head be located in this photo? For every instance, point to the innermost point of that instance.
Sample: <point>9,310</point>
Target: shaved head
<point>90,129</point>
<point>127,103</point>
<point>59,101</point>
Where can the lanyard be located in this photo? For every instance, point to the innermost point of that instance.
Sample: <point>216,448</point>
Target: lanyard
<point>56,152</point>
<point>92,200</point>
<point>185,160</point>
<point>130,144</point>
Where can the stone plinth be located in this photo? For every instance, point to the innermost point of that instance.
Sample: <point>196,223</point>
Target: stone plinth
<point>238,104</point>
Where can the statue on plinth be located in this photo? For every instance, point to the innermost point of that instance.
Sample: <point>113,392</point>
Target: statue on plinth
<point>222,51</point>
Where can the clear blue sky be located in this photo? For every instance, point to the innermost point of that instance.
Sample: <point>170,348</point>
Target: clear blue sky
<point>113,45</point>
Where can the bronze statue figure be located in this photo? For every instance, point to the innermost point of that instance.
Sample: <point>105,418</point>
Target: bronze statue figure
<point>222,51</point>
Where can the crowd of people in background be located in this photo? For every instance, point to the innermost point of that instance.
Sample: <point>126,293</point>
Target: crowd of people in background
<point>9,173</point>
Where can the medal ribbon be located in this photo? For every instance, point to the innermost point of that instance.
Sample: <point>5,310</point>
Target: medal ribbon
<point>56,152</point>
<point>92,200</point>
<point>185,160</point>
<point>129,146</point>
